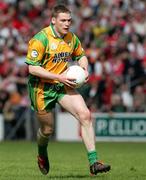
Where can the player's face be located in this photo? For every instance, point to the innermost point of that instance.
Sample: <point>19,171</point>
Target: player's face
<point>62,23</point>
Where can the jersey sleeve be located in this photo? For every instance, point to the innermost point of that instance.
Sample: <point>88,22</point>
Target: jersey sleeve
<point>78,50</point>
<point>36,50</point>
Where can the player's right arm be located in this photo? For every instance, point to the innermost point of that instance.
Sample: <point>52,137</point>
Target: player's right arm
<point>44,74</point>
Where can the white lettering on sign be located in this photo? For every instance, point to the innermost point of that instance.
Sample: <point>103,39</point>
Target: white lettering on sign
<point>102,126</point>
<point>120,127</point>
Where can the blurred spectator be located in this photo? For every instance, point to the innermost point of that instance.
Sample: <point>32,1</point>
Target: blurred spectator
<point>92,53</point>
<point>117,104</point>
<point>139,98</point>
<point>133,71</point>
<point>3,99</point>
<point>102,65</point>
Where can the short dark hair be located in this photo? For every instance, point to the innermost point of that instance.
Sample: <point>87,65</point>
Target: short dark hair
<point>60,9</point>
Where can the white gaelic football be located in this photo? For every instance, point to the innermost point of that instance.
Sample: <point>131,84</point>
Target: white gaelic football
<point>78,73</point>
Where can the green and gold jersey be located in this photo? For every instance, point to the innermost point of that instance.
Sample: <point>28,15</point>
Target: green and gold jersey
<point>53,53</point>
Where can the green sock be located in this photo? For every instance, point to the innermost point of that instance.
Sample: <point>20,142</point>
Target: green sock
<point>42,150</point>
<point>42,141</point>
<point>92,157</point>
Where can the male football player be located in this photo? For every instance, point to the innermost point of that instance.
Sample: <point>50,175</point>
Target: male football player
<point>49,53</point>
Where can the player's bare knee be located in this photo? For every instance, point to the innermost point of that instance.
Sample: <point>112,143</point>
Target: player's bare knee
<point>50,130</point>
<point>47,130</point>
<point>85,117</point>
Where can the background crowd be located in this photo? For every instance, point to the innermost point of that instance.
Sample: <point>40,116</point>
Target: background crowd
<point>113,34</point>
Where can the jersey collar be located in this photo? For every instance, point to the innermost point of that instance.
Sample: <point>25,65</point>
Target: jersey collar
<point>54,32</point>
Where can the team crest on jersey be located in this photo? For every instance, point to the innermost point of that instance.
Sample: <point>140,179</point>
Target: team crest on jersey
<point>53,46</point>
<point>34,53</point>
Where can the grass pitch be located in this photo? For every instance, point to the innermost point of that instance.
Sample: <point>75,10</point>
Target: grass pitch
<point>69,161</point>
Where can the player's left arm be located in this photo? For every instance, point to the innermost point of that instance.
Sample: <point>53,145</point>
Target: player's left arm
<point>79,55</point>
<point>83,62</point>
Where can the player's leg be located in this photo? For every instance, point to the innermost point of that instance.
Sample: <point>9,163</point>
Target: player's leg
<point>74,103</point>
<point>43,99</point>
<point>46,128</point>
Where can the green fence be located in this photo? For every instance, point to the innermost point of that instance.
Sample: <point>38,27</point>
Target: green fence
<point>120,126</point>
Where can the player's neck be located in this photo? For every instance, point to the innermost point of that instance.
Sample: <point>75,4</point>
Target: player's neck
<point>58,34</point>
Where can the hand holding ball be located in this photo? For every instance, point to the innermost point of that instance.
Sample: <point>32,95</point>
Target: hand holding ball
<point>77,73</point>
